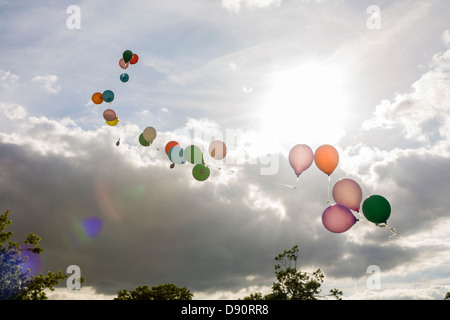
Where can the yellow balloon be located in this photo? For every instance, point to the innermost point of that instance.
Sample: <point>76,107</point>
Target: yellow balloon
<point>113,122</point>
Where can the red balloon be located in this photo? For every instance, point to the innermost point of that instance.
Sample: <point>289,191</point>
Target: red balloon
<point>135,59</point>
<point>170,145</point>
<point>109,115</point>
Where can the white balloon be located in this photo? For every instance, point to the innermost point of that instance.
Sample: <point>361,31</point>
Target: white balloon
<point>149,134</point>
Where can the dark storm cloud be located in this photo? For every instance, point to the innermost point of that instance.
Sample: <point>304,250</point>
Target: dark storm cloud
<point>162,226</point>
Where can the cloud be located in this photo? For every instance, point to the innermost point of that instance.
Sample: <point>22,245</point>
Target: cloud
<point>60,163</point>
<point>446,37</point>
<point>160,225</point>
<point>405,293</point>
<point>48,82</point>
<point>422,114</point>
<point>74,173</point>
<point>8,79</point>
<point>13,111</point>
<point>236,5</point>
<point>261,201</point>
<point>160,64</point>
<point>85,293</point>
<point>414,127</point>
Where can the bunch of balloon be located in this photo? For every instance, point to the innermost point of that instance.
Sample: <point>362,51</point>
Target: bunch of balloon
<point>128,57</point>
<point>147,136</point>
<point>106,96</point>
<point>326,159</point>
<point>300,158</point>
<point>175,153</point>
<point>377,210</point>
<point>338,217</point>
<point>193,154</point>
<point>217,150</point>
<point>109,115</point>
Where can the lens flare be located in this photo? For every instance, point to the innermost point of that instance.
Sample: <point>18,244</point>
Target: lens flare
<point>92,226</point>
<point>34,262</point>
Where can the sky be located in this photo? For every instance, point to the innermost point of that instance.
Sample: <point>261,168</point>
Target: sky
<point>371,78</point>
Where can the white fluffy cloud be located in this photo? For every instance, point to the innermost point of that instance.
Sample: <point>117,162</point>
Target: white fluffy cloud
<point>7,78</point>
<point>416,124</point>
<point>236,5</point>
<point>48,82</point>
<point>13,111</point>
<point>424,113</point>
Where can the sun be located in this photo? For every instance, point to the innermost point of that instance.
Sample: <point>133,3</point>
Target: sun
<point>306,104</point>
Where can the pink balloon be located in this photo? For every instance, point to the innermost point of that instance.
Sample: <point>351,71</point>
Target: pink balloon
<point>109,115</point>
<point>348,193</point>
<point>300,158</point>
<point>123,64</point>
<point>217,149</point>
<point>337,218</point>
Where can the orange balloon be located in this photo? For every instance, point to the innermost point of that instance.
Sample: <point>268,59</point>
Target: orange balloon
<point>97,98</point>
<point>326,158</point>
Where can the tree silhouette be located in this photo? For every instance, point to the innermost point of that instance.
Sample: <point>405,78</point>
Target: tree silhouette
<point>293,284</point>
<point>167,291</point>
<point>16,283</point>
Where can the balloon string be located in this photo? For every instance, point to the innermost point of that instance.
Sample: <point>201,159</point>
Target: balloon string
<point>291,187</point>
<point>361,216</point>
<point>121,123</point>
<point>295,184</point>
<point>328,199</point>
<point>216,166</point>
<point>392,230</point>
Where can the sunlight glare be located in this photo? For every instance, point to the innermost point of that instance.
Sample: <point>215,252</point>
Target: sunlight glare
<point>306,104</point>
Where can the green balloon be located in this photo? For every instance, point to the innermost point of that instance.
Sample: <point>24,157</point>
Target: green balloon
<point>200,172</point>
<point>142,141</point>
<point>376,209</point>
<point>193,154</point>
<point>127,55</point>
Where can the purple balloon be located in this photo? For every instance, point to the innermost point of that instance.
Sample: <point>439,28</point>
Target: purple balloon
<point>300,158</point>
<point>337,218</point>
